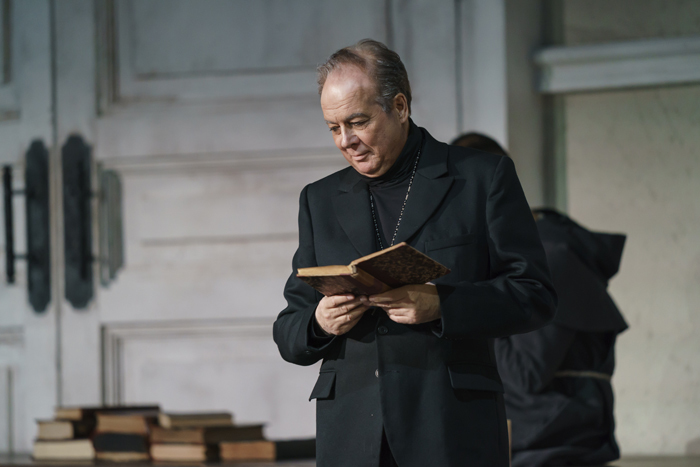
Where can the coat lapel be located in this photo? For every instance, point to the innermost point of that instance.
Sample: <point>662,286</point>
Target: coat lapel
<point>352,210</point>
<point>430,186</point>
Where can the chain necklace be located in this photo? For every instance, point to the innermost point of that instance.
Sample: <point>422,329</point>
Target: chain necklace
<point>374,216</point>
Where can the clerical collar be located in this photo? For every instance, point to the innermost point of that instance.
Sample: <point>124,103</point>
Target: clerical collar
<point>402,168</point>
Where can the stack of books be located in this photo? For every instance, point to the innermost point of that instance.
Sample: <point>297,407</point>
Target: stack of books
<point>195,437</point>
<point>142,433</point>
<point>201,437</point>
<point>68,436</point>
<point>123,436</point>
<point>265,450</point>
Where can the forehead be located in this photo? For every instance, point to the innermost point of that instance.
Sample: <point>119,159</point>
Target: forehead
<point>347,90</point>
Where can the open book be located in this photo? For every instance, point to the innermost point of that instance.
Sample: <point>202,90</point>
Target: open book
<point>384,270</point>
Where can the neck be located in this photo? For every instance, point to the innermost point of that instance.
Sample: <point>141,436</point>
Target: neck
<point>400,169</point>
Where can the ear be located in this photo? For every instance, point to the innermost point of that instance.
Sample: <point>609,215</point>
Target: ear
<point>401,107</point>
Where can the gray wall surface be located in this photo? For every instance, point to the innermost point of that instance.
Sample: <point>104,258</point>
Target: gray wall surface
<point>633,166</point>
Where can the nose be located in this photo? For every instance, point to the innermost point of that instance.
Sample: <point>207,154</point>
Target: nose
<point>348,138</point>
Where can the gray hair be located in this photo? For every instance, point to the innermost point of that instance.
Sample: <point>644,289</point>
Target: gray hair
<point>381,64</point>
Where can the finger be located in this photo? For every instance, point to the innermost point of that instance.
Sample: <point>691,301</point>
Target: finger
<point>351,320</point>
<point>347,322</point>
<point>345,308</point>
<point>390,296</point>
<point>403,319</point>
<point>389,305</point>
<point>400,312</point>
<point>337,300</point>
<point>353,315</point>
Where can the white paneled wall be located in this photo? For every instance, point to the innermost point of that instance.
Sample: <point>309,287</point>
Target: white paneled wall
<point>209,111</point>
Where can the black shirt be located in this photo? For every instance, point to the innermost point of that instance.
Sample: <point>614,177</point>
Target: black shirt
<point>389,190</point>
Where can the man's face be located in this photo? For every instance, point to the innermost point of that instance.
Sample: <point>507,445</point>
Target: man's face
<point>369,138</point>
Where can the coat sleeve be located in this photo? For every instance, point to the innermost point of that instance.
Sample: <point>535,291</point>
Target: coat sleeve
<point>527,362</point>
<point>519,296</point>
<point>293,330</point>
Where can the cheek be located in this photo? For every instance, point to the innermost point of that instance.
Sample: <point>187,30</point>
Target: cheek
<point>368,139</point>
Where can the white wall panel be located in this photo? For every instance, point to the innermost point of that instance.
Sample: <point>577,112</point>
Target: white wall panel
<point>208,243</point>
<point>220,365</point>
<point>633,161</point>
<point>633,166</point>
<point>16,432</point>
<point>240,48</point>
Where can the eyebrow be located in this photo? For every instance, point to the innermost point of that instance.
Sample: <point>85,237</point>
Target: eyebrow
<point>355,115</point>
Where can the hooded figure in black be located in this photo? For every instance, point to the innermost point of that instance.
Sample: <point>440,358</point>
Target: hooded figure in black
<point>557,379</point>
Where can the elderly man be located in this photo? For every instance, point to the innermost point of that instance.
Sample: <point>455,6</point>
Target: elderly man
<point>408,376</point>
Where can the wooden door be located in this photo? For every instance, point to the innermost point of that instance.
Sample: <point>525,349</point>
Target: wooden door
<point>28,339</point>
<point>209,113</point>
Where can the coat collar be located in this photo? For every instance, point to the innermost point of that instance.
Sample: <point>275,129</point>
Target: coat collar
<point>430,187</point>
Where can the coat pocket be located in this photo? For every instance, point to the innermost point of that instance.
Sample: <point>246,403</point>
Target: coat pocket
<point>324,386</point>
<point>441,243</point>
<point>474,377</point>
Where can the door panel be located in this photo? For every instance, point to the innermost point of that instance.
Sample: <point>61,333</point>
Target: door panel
<point>209,242</point>
<point>28,345</point>
<point>213,134</point>
<point>240,49</point>
<point>213,364</point>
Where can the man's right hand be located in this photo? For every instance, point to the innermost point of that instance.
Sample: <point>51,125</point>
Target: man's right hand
<point>338,314</point>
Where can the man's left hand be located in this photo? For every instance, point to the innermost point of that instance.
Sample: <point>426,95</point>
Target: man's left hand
<point>410,304</point>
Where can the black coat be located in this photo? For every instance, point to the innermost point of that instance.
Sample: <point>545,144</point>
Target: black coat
<point>433,387</point>
<point>557,397</point>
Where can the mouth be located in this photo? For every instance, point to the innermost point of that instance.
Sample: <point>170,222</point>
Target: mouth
<point>359,157</point>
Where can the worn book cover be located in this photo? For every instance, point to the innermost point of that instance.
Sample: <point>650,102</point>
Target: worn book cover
<point>384,270</point>
<point>133,423</point>
<point>242,451</point>
<point>64,429</point>
<point>71,449</point>
<point>194,419</point>
<point>184,452</point>
<point>120,442</point>
<point>89,413</point>
<point>207,435</point>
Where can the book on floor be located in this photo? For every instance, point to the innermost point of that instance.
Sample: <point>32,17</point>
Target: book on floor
<point>185,452</point>
<point>268,450</point>
<point>128,422</point>
<point>65,450</point>
<point>84,413</point>
<point>64,429</point>
<point>207,435</point>
<point>384,270</point>
<point>194,419</point>
<point>120,447</point>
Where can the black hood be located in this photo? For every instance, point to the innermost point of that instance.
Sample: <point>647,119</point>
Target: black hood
<point>581,263</point>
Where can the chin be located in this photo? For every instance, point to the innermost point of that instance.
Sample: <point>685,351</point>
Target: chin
<point>368,171</point>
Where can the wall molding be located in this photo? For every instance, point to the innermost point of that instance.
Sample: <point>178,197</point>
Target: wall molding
<point>274,159</point>
<point>9,106</point>
<point>657,62</point>
<point>273,237</point>
<point>121,83</point>
<point>12,336</point>
<point>115,336</point>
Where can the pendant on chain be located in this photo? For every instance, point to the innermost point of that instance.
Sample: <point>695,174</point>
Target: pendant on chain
<point>398,223</point>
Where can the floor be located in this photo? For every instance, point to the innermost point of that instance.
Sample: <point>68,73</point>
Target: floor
<point>25,461</point>
<point>626,462</point>
<point>657,462</point>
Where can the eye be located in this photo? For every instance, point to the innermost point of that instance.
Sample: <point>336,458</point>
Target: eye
<point>334,129</point>
<point>359,124</point>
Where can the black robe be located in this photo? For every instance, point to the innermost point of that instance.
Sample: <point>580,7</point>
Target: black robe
<point>433,388</point>
<point>557,396</point>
